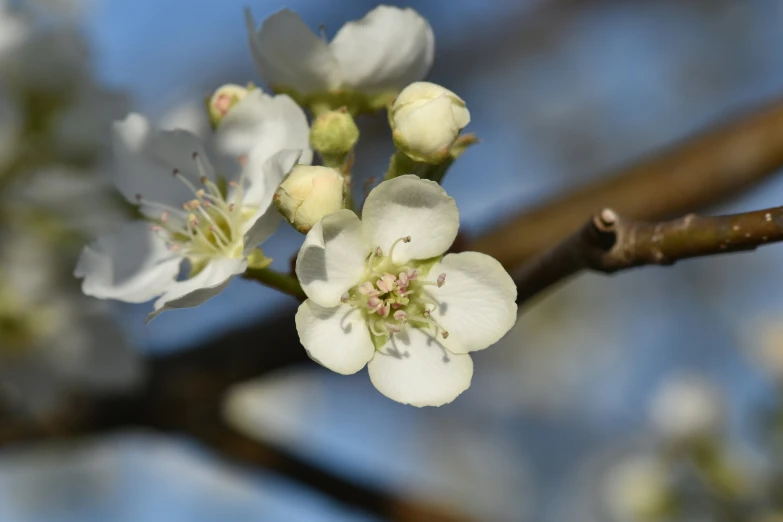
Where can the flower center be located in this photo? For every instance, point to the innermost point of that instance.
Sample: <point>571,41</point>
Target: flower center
<point>393,295</point>
<point>209,225</point>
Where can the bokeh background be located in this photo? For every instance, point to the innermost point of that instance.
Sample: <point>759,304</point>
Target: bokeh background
<point>561,92</point>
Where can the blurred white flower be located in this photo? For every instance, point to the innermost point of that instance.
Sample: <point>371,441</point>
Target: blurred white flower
<point>13,29</point>
<point>51,337</point>
<point>189,216</point>
<point>374,57</point>
<point>380,295</point>
<point>764,341</point>
<point>636,489</point>
<point>687,407</point>
<point>426,119</point>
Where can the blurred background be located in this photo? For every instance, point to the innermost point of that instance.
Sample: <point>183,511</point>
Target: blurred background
<point>651,395</point>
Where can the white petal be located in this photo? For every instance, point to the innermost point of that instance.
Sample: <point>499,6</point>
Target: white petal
<point>477,303</point>
<point>131,264</point>
<point>414,368</point>
<point>386,50</point>
<point>335,337</point>
<point>196,290</point>
<point>265,125</point>
<point>332,258</point>
<point>288,54</point>
<point>145,160</point>
<point>261,230</point>
<point>261,177</point>
<point>409,206</point>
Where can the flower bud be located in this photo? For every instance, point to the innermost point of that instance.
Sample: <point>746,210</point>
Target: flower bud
<point>334,132</point>
<point>224,100</point>
<point>309,193</point>
<point>426,119</point>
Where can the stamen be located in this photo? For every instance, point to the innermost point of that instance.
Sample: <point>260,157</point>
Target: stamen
<point>406,239</point>
<point>441,280</point>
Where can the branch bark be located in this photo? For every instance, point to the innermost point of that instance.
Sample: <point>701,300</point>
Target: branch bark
<point>609,242</point>
<point>709,168</point>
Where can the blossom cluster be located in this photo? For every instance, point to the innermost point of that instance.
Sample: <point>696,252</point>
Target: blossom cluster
<point>381,289</point>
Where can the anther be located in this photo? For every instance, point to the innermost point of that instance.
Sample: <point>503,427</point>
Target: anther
<point>441,280</point>
<point>401,316</point>
<point>445,334</point>
<point>392,328</point>
<point>138,198</point>
<point>344,298</point>
<point>195,155</point>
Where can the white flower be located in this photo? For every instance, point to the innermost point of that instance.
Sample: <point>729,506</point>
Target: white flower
<point>379,294</point>
<point>637,488</point>
<point>309,193</point>
<point>426,119</point>
<point>214,223</point>
<point>687,407</point>
<point>375,56</point>
<point>51,337</point>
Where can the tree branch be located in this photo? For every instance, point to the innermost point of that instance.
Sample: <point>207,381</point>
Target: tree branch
<point>609,242</point>
<point>709,168</point>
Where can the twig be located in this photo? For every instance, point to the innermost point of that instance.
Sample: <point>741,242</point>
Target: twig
<point>715,166</point>
<point>609,242</point>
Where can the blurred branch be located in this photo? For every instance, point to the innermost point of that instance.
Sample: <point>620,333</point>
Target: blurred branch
<point>712,167</point>
<point>608,243</point>
<point>183,394</point>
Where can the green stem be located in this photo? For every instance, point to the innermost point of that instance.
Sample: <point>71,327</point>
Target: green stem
<point>274,279</point>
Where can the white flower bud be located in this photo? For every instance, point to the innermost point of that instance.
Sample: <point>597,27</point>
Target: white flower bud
<point>223,101</point>
<point>687,408</point>
<point>309,193</point>
<point>426,119</point>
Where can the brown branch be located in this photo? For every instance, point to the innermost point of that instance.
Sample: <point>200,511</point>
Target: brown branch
<point>712,167</point>
<point>609,242</point>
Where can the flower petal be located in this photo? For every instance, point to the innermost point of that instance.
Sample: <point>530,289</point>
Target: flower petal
<point>335,337</point>
<point>288,54</point>
<point>332,258</point>
<point>145,160</point>
<point>261,177</point>
<point>200,288</point>
<point>409,206</point>
<point>131,264</point>
<point>386,50</point>
<point>477,303</point>
<point>265,125</point>
<point>261,230</point>
<point>414,368</point>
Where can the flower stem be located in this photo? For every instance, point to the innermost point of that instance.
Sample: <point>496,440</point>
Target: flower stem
<point>274,279</point>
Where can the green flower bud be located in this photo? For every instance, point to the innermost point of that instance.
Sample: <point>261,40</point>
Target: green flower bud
<point>223,101</point>
<point>334,133</point>
<point>309,193</point>
<point>426,120</point>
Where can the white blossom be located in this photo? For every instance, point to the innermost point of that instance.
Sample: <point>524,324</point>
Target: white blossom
<point>375,56</point>
<point>51,337</point>
<point>380,295</point>
<point>211,222</point>
<point>426,119</point>
<point>687,407</point>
